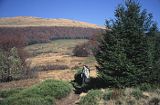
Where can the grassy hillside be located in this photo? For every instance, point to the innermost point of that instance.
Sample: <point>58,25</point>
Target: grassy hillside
<point>59,52</point>
<point>37,30</point>
<point>35,21</point>
<point>55,59</point>
<point>62,46</point>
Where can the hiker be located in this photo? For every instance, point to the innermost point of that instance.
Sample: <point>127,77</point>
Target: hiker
<point>85,74</point>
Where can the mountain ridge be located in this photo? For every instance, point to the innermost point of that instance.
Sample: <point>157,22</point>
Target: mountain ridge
<point>27,21</point>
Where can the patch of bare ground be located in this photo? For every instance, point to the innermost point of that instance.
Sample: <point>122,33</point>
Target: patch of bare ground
<point>19,84</point>
<point>71,99</point>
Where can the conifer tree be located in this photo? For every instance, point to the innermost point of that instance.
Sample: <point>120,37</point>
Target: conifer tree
<point>153,37</point>
<point>123,56</point>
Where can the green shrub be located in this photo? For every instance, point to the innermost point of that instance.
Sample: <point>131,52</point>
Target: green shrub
<point>148,87</point>
<point>41,94</point>
<point>92,98</point>
<point>55,88</point>
<point>137,93</point>
<point>13,65</point>
<point>9,92</point>
<point>28,101</point>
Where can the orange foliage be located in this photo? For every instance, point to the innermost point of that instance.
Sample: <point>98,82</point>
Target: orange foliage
<point>44,34</point>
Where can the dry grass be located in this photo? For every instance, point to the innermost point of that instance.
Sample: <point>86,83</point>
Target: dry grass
<point>70,61</point>
<point>61,60</point>
<point>61,74</point>
<point>127,98</point>
<point>49,59</point>
<point>19,84</point>
<point>61,47</point>
<point>58,52</point>
<point>35,21</point>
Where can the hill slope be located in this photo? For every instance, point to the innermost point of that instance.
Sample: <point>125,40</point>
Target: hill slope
<point>22,21</point>
<point>38,30</point>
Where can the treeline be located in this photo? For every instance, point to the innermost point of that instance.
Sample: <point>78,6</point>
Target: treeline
<point>33,35</point>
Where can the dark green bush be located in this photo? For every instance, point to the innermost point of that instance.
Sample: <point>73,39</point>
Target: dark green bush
<point>77,77</point>
<point>55,88</point>
<point>92,98</point>
<point>148,87</point>
<point>77,82</point>
<point>41,94</point>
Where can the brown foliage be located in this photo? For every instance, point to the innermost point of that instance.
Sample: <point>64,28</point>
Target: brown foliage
<point>49,67</point>
<point>14,40</point>
<point>43,34</point>
<point>82,50</point>
<point>88,48</point>
<point>9,41</point>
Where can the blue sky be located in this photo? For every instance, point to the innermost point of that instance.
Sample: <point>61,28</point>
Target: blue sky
<point>92,11</point>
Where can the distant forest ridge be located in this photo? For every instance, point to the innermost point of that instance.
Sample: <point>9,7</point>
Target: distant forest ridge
<point>43,34</point>
<point>39,30</point>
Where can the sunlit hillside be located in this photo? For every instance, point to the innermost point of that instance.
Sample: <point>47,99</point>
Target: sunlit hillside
<point>36,21</point>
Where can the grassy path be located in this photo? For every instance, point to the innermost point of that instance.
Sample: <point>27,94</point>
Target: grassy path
<point>69,100</point>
